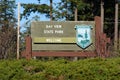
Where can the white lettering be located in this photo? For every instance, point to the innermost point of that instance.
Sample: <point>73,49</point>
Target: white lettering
<point>49,26</point>
<point>48,31</point>
<point>53,26</point>
<point>59,31</point>
<point>57,26</point>
<point>53,40</point>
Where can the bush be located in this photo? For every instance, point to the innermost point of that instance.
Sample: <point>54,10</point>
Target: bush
<point>87,69</point>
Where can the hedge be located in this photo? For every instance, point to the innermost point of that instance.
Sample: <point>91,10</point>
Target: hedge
<point>61,69</point>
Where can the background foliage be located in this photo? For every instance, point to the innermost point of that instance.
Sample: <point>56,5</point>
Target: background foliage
<point>7,29</point>
<point>65,10</point>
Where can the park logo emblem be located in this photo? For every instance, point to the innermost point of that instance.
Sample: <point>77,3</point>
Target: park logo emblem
<point>83,36</point>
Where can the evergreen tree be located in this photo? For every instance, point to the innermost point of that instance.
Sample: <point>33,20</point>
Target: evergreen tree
<point>7,12</point>
<point>7,29</point>
<point>39,8</point>
<point>67,10</point>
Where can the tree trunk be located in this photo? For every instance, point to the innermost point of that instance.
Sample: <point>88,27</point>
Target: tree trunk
<point>76,14</point>
<point>76,18</point>
<point>119,40</point>
<point>102,15</point>
<point>116,27</point>
<point>51,16</point>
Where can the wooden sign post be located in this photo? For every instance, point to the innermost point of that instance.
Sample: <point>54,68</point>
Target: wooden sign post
<point>70,38</point>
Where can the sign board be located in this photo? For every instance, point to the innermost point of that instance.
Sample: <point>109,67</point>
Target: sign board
<point>53,35</point>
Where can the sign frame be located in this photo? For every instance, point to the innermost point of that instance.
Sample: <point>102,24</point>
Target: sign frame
<point>64,41</point>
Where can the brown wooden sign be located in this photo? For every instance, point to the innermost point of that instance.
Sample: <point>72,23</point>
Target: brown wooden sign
<point>60,39</point>
<point>53,35</point>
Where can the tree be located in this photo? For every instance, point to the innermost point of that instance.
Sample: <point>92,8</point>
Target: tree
<point>95,6</point>
<point>109,18</point>
<point>68,8</point>
<point>63,10</point>
<point>51,15</point>
<point>50,9</point>
<point>7,29</point>
<point>7,12</point>
<point>39,8</point>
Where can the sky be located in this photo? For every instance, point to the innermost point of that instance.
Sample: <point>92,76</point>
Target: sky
<point>42,16</point>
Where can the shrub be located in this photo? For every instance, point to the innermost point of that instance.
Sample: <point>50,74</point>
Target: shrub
<point>86,69</point>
